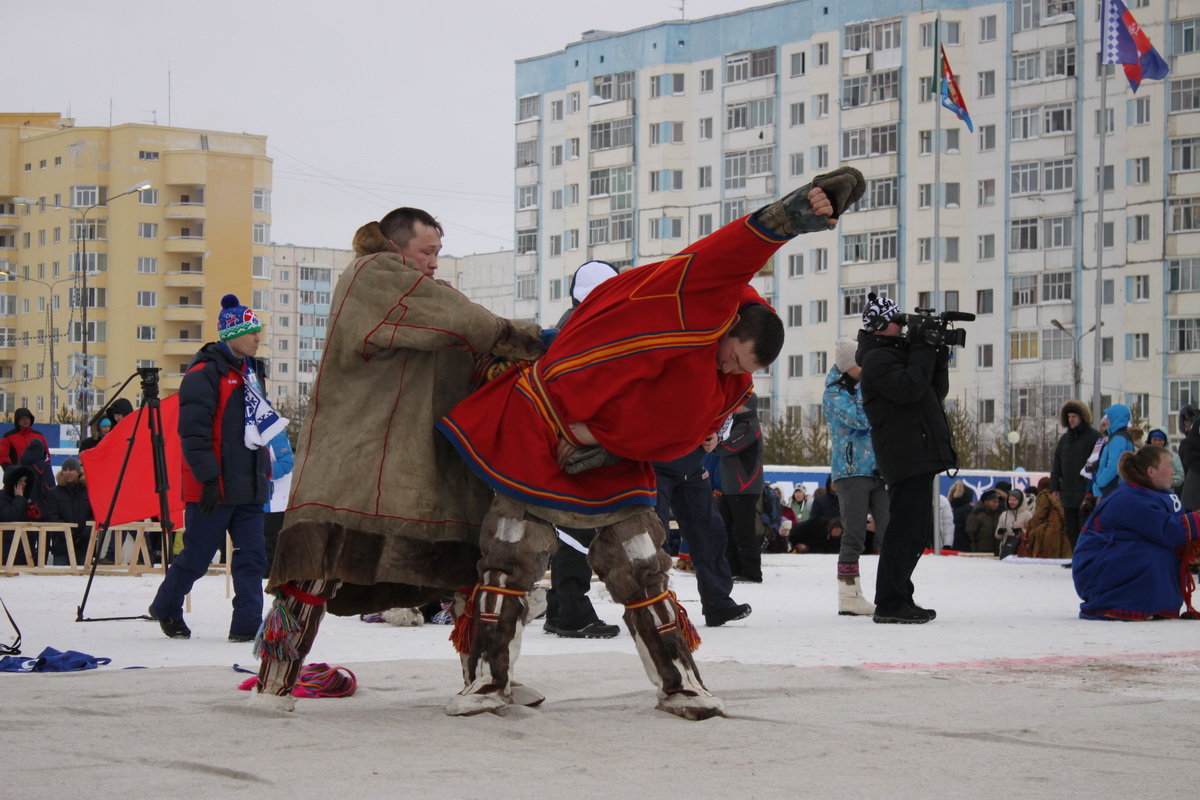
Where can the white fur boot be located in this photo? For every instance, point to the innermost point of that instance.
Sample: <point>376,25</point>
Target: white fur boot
<point>851,602</point>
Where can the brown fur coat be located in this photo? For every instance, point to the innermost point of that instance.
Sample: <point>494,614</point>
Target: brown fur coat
<point>379,500</point>
<point>1047,534</point>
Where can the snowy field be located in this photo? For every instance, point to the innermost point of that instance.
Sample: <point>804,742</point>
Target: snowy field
<point>1007,694</point>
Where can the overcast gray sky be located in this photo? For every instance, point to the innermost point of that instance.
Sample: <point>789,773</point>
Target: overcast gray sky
<point>367,105</point>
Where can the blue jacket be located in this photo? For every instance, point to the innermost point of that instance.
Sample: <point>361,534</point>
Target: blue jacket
<point>1126,562</point>
<point>1106,469</point>
<point>851,453</point>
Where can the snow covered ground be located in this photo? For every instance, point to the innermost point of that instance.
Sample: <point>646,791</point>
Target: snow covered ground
<point>1006,694</point>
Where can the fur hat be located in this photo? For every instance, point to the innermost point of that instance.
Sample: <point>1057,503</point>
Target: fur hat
<point>993,493</point>
<point>878,313</point>
<point>843,354</point>
<point>235,319</point>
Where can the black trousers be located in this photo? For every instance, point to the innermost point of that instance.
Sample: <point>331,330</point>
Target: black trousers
<point>567,603</point>
<point>1071,523</point>
<point>702,528</point>
<point>744,550</point>
<point>910,506</point>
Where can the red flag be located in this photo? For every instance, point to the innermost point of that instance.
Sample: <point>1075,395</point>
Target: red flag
<point>138,499</point>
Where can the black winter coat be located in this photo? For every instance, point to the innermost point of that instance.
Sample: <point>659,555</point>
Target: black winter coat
<point>741,455</point>
<point>244,474</point>
<point>903,386</point>
<point>1071,453</point>
<point>68,502</point>
<point>13,508</point>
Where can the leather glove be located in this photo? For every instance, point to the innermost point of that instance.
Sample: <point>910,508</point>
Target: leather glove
<point>581,459</point>
<point>794,215</point>
<point>516,344</point>
<point>210,497</point>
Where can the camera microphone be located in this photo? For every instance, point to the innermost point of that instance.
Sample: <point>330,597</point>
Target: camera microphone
<point>958,316</point>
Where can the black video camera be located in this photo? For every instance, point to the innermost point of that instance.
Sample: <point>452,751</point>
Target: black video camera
<point>933,329</point>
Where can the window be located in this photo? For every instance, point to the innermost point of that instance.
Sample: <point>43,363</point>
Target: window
<point>820,156</point>
<point>1058,118</point>
<point>796,164</point>
<point>987,246</point>
<point>854,299</point>
<point>953,33</point>
<point>571,239</point>
<point>1137,346</point>
<point>1139,228</point>
<point>147,299</point>
<point>820,259</point>
<point>527,153</point>
<point>1182,393</point>
<point>1106,349</point>
<point>1059,232</point>
<point>821,54</point>
<point>1058,175</point>
<point>798,62</point>
<point>1185,154</point>
<point>261,200</point>
<point>147,230</point>
<point>527,197</point>
<point>1026,66</point>
<point>607,135</point>
<point>1024,123</point>
<point>148,197</point>
<point>795,316</point>
<point>1057,287</point>
<point>556,245</point>
<point>986,411</point>
<point>666,228</point>
<point>706,80</point>
<point>987,83</point>
<point>556,110</point>
<point>983,356</point>
<point>666,133</point>
<point>96,332</point>
<point>667,84</point>
<point>704,224</point>
<point>1022,345</point>
<point>854,143</point>
<point>797,114</point>
<point>749,64</point>
<point>1024,178</point>
<point>146,333</point>
<point>92,229</point>
<point>795,366</point>
<point>819,362</point>
<point>571,195</point>
<point>1184,214</point>
<point>1026,14</point>
<point>526,286</point>
<point>1184,95</point>
<point>987,192</point>
<point>1109,121</point>
<point>572,148</point>
<point>821,104</point>
<point>795,265</point>
<point>1138,111</point>
<point>1023,235</point>
<point>858,36</point>
<point>757,113</point>
<point>855,248</point>
<point>987,28</point>
<point>1183,275</point>
<point>1060,62</point>
<point>703,178</point>
<point>617,86</point>
<point>1183,335</point>
<point>527,241</point>
<point>819,311</point>
<point>148,155</point>
<point>706,129</point>
<point>1024,290</point>
<point>556,200</point>
<point>1138,288</point>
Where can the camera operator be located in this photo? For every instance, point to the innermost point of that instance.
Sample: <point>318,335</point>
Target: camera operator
<point>904,381</point>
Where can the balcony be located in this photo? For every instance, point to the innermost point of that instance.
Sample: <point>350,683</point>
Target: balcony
<point>186,211</point>
<point>184,279</point>
<point>183,245</point>
<point>184,313</point>
<point>181,347</point>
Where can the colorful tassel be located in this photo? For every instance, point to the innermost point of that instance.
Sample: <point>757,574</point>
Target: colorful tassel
<point>691,636</point>
<point>274,638</point>
<point>1189,554</point>
<point>318,680</point>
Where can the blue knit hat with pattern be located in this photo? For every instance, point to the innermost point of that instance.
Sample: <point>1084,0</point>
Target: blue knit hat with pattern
<point>235,319</point>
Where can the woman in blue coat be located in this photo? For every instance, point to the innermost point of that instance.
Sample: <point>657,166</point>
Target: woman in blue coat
<point>1128,563</point>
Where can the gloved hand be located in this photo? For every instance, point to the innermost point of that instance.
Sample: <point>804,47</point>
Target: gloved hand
<point>210,497</point>
<point>794,214</point>
<point>516,344</point>
<point>581,459</point>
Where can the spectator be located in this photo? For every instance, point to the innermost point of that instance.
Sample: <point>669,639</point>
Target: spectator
<point>962,500</point>
<point>1189,455</point>
<point>741,487</point>
<point>68,502</point>
<point>102,427</point>
<point>826,504</point>
<point>14,500</point>
<point>981,524</point>
<point>1070,455</point>
<point>36,459</point>
<point>1120,440</point>
<point>14,442</point>
<point>800,506</point>
<point>1012,524</point>
<point>1047,529</point>
<point>1159,437</point>
<point>1128,563</point>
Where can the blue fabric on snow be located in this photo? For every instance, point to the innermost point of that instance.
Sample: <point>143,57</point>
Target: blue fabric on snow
<point>51,660</point>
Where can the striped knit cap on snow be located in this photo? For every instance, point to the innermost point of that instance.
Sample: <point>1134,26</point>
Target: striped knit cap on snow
<point>878,312</point>
<point>235,319</point>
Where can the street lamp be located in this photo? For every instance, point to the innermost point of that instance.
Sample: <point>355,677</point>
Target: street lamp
<point>54,385</point>
<point>81,254</point>
<point>1076,367</point>
<point>1013,437</point>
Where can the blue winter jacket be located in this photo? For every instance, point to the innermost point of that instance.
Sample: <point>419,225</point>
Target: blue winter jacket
<point>1106,469</point>
<point>851,451</point>
<point>1126,562</point>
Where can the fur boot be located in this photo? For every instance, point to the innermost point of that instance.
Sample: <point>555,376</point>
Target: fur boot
<point>851,602</point>
<point>495,645</point>
<point>668,661</point>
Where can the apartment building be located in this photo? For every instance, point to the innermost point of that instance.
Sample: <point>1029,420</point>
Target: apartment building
<point>631,144</point>
<point>116,246</point>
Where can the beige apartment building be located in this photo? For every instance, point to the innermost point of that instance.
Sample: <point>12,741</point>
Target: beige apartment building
<point>121,242</point>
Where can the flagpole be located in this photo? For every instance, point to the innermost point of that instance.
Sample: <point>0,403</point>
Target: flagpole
<point>1103,129</point>
<point>937,164</point>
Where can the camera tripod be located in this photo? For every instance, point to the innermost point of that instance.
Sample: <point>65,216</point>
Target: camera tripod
<point>152,408</point>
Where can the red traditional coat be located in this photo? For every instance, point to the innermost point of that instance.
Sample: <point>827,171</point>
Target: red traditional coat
<point>636,363</point>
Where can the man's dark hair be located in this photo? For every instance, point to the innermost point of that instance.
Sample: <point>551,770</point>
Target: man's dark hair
<point>398,225</point>
<point>760,325</point>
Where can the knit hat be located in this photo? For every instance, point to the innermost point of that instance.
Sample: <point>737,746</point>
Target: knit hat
<point>72,463</point>
<point>878,313</point>
<point>843,354</point>
<point>588,277</point>
<point>235,319</point>
<point>1159,432</point>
